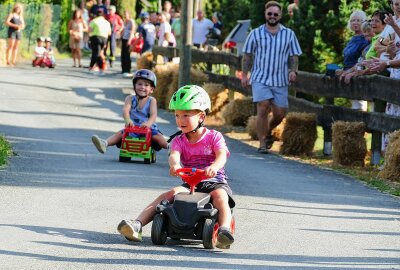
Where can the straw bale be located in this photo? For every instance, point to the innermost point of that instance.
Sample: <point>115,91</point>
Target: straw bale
<point>238,111</point>
<point>251,127</point>
<point>197,77</point>
<point>348,142</point>
<point>145,61</point>
<point>164,80</point>
<point>218,95</point>
<point>278,130</point>
<point>391,167</point>
<point>299,134</point>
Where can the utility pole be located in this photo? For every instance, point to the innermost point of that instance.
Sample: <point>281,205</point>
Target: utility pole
<point>185,50</point>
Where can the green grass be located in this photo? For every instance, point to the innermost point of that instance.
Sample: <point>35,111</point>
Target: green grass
<point>5,151</point>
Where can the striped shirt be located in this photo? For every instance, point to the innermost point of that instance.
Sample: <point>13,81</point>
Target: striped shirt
<point>271,54</point>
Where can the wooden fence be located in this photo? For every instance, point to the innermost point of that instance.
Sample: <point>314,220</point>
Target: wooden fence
<point>373,88</point>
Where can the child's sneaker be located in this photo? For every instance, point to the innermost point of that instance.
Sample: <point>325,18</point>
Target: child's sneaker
<point>132,230</point>
<point>225,238</point>
<point>100,144</point>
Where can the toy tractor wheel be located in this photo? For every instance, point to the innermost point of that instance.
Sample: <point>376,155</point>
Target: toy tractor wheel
<point>146,161</point>
<point>159,230</point>
<point>124,159</point>
<point>153,156</point>
<point>210,233</point>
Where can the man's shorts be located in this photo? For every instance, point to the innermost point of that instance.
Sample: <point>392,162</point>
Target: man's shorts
<point>208,186</point>
<point>279,95</point>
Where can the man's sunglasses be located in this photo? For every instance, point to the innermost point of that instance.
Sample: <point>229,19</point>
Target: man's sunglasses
<point>275,14</point>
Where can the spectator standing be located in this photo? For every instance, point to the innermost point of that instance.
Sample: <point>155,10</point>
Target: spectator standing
<point>16,23</point>
<point>127,35</point>
<point>85,17</point>
<point>214,35</point>
<point>271,53</point>
<point>353,50</point>
<point>99,30</point>
<point>117,26</point>
<point>176,28</point>
<point>95,7</point>
<point>147,31</point>
<point>165,36</point>
<point>76,27</point>
<point>291,7</point>
<point>167,6</point>
<point>201,27</point>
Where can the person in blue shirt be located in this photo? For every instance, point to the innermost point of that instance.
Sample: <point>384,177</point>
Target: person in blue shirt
<point>357,43</point>
<point>147,31</point>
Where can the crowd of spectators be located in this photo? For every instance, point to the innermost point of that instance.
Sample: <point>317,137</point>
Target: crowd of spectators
<point>374,49</point>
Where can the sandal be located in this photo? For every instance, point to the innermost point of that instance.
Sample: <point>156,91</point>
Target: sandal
<point>269,141</point>
<point>262,150</point>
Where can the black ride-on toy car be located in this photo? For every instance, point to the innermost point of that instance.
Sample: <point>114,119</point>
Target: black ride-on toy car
<point>136,143</point>
<point>191,216</point>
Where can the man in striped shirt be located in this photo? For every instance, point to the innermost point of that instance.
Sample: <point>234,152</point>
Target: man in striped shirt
<point>271,54</point>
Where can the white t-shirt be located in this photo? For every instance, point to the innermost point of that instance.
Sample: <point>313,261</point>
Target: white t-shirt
<point>201,29</point>
<point>40,51</point>
<point>165,27</point>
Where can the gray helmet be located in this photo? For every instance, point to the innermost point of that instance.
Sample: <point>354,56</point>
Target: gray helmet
<point>145,74</point>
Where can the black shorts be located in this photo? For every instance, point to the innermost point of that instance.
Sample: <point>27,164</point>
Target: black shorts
<point>208,186</point>
<point>15,35</point>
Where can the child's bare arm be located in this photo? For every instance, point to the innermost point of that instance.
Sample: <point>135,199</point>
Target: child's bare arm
<point>153,114</point>
<point>174,162</point>
<point>220,160</point>
<point>127,110</point>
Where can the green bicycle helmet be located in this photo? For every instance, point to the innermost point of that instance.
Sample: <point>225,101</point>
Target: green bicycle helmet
<point>190,97</point>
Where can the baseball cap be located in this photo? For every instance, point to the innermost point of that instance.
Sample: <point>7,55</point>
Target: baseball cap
<point>144,15</point>
<point>112,7</point>
<point>48,39</point>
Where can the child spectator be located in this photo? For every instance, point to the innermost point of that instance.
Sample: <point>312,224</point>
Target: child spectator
<point>49,59</point>
<point>139,110</point>
<point>197,147</point>
<point>39,52</point>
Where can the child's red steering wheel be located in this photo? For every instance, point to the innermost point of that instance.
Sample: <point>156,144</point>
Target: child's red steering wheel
<point>192,176</point>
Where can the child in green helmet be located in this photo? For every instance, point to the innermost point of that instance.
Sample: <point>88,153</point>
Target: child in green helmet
<point>196,147</point>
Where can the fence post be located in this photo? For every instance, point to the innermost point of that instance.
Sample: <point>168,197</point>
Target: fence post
<point>327,127</point>
<point>376,141</point>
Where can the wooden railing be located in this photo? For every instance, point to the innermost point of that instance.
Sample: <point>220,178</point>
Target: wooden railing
<point>373,88</point>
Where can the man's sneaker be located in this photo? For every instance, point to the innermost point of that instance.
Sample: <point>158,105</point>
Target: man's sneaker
<point>132,230</point>
<point>100,144</point>
<point>225,238</point>
<point>127,75</point>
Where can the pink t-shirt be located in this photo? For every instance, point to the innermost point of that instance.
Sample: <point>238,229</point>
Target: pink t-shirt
<point>201,154</point>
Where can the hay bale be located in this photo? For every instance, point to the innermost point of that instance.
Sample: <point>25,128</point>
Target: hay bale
<point>251,127</point>
<point>197,77</point>
<point>348,142</point>
<point>238,111</point>
<point>391,167</point>
<point>218,95</point>
<point>299,134</point>
<point>164,80</point>
<point>145,61</point>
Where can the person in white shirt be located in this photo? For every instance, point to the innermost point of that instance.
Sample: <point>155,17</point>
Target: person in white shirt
<point>165,36</point>
<point>201,27</point>
<point>39,52</point>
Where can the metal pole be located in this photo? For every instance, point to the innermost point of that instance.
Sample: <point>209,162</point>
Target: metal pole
<point>185,52</point>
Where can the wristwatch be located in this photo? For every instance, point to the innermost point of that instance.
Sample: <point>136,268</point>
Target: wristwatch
<point>388,63</point>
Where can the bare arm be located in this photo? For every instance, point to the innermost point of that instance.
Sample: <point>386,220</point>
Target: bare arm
<point>247,63</point>
<point>293,67</point>
<point>219,162</point>
<point>126,110</point>
<point>174,162</point>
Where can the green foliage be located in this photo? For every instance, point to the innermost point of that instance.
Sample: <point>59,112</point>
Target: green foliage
<point>5,150</point>
<point>66,15</point>
<point>128,5</point>
<point>232,11</point>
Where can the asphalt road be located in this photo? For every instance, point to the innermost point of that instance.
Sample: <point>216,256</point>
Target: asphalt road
<point>61,201</point>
